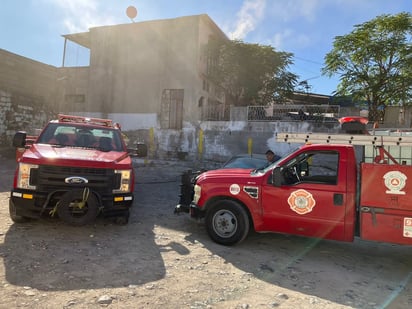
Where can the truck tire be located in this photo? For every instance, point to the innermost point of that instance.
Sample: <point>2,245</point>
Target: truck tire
<point>227,223</point>
<point>71,210</point>
<point>14,216</point>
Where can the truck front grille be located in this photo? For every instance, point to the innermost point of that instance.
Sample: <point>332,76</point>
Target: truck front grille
<point>50,178</point>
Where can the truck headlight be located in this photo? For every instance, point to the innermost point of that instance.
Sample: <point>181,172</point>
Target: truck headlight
<point>26,175</point>
<point>196,196</point>
<point>124,178</point>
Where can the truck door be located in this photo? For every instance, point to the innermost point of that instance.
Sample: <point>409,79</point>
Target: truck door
<point>312,198</point>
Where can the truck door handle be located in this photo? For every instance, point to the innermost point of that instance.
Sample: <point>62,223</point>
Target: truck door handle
<point>373,212</point>
<point>338,199</point>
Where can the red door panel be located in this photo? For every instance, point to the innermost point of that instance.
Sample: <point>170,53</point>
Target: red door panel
<point>315,204</point>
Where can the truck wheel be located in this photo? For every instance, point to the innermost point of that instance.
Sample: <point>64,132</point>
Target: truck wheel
<point>14,216</point>
<point>227,223</point>
<point>73,210</point>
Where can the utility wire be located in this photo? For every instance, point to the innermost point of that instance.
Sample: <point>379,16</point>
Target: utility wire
<point>307,60</point>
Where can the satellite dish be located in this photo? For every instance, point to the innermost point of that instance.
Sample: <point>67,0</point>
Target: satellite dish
<point>131,12</point>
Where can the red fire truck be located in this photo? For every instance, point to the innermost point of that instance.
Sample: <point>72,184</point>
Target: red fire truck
<point>75,169</point>
<point>321,190</point>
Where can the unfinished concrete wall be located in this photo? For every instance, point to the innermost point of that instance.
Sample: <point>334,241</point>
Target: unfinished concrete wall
<point>132,64</point>
<point>27,95</point>
<point>72,89</point>
<point>25,76</point>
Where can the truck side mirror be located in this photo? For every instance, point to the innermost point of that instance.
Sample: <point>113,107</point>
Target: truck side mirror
<point>141,150</point>
<point>19,139</point>
<point>277,177</point>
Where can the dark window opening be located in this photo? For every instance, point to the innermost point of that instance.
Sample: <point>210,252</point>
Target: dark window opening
<point>172,109</point>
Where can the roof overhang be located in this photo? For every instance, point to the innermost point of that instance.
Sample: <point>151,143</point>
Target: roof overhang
<point>82,38</point>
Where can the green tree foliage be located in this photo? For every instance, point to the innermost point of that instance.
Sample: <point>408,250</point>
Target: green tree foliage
<point>374,62</point>
<point>250,74</point>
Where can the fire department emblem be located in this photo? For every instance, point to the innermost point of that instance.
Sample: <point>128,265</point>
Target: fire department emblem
<point>395,181</point>
<point>301,201</point>
<point>234,189</point>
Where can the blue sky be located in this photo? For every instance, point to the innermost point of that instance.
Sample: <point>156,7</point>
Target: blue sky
<point>306,28</point>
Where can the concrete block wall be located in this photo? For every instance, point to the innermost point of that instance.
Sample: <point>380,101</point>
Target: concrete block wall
<point>5,109</point>
<point>27,94</point>
<point>20,113</point>
<point>21,75</point>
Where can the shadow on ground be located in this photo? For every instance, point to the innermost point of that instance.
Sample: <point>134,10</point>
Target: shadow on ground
<point>362,274</point>
<point>52,256</point>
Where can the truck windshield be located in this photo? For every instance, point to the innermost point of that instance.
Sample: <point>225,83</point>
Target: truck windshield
<point>62,135</point>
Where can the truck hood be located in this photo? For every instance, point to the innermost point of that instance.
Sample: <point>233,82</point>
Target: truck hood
<point>69,155</point>
<point>222,175</point>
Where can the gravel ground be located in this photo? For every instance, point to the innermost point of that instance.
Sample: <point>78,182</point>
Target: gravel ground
<point>163,260</point>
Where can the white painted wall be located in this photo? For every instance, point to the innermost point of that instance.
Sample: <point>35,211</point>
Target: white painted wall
<point>223,139</point>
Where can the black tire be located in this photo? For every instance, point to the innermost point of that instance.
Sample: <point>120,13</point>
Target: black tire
<point>14,216</point>
<point>71,211</point>
<point>227,223</point>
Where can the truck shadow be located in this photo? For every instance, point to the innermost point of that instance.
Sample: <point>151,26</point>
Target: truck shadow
<point>360,274</point>
<point>8,167</point>
<point>49,255</point>
<point>52,256</point>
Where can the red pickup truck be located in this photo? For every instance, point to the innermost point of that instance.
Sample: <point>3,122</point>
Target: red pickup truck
<point>319,190</point>
<point>76,169</point>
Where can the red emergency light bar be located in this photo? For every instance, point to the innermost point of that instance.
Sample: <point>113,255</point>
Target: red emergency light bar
<point>87,120</point>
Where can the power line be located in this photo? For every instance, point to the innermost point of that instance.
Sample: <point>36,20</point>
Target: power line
<point>313,77</point>
<point>307,60</point>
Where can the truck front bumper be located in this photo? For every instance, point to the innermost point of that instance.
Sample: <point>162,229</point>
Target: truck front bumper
<point>24,206</point>
<point>34,204</point>
<point>192,209</point>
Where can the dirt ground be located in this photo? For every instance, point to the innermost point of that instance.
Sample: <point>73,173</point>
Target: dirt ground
<point>163,260</point>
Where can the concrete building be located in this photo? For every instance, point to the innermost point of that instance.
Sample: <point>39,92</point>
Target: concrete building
<point>144,74</point>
